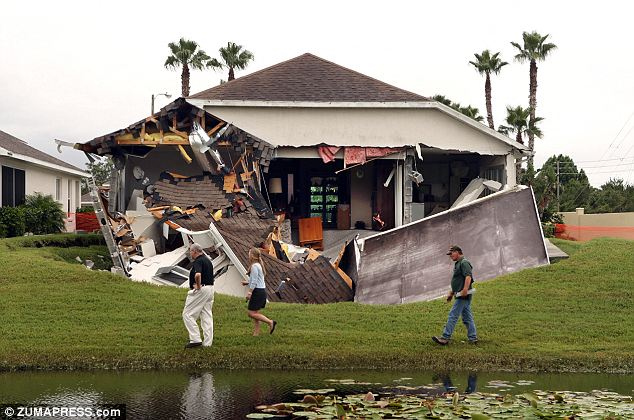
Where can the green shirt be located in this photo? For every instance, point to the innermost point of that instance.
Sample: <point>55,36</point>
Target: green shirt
<point>461,269</point>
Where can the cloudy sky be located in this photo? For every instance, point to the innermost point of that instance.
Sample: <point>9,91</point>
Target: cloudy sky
<point>77,70</point>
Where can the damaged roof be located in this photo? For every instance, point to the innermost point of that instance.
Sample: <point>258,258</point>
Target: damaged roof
<point>308,78</point>
<point>314,281</point>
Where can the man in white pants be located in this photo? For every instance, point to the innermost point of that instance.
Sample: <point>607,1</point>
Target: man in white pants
<point>200,299</point>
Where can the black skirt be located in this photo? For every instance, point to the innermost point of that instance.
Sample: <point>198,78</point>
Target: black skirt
<point>258,299</point>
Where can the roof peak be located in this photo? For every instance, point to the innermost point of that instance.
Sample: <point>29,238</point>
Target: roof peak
<point>308,78</point>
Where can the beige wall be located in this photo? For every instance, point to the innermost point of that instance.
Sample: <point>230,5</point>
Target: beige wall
<point>42,180</point>
<point>388,127</point>
<point>599,220</point>
<point>361,195</point>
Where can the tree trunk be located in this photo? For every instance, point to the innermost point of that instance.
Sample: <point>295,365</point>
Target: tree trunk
<point>185,81</point>
<point>487,97</point>
<point>532,103</point>
<point>231,75</point>
<point>518,137</point>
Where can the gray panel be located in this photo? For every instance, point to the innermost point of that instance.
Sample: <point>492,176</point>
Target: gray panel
<point>499,234</point>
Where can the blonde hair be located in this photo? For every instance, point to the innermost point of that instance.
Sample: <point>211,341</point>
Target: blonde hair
<point>255,256</point>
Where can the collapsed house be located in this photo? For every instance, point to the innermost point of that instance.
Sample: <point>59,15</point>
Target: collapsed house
<point>245,163</point>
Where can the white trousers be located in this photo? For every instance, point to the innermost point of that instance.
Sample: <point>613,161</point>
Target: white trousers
<point>198,306</point>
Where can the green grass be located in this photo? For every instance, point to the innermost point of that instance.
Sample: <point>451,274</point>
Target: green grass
<point>575,315</point>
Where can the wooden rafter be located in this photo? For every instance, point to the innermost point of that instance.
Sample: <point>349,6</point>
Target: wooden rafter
<point>150,139</point>
<point>216,128</point>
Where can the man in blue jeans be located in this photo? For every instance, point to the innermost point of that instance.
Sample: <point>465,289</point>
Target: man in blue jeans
<point>461,289</point>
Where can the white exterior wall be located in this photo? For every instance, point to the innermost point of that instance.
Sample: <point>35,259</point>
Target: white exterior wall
<point>369,127</point>
<point>42,180</point>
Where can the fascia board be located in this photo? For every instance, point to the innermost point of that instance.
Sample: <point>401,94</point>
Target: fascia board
<point>38,162</point>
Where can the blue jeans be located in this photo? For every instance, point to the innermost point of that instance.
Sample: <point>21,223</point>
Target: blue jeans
<point>460,307</point>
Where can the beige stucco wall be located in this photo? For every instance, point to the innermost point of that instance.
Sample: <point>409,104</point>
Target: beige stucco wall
<point>373,127</point>
<point>42,180</point>
<point>361,195</point>
<point>599,220</point>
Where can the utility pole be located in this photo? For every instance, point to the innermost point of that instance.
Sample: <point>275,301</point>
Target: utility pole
<point>558,209</point>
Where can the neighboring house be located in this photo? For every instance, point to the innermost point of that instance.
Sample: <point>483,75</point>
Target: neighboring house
<point>27,170</point>
<point>313,111</point>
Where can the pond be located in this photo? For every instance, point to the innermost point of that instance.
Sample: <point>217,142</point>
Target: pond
<point>224,394</point>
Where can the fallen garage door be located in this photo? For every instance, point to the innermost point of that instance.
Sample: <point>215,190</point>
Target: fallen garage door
<point>499,234</point>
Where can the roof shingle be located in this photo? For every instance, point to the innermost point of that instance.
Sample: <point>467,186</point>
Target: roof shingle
<point>308,78</point>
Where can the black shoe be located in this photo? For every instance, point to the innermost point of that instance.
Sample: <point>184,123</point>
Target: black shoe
<point>473,341</point>
<point>273,327</point>
<point>191,345</point>
<point>440,340</point>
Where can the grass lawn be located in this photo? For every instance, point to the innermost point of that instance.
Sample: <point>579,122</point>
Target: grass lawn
<point>576,315</point>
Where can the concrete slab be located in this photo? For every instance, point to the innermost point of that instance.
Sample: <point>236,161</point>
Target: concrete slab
<point>554,254</point>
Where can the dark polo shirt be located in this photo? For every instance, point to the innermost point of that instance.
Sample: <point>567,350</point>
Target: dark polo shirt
<point>202,265</point>
<point>461,269</point>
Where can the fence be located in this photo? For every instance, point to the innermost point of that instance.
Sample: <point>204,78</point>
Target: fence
<point>86,222</point>
<point>579,226</point>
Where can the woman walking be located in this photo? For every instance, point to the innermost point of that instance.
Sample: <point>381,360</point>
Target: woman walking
<point>256,296</point>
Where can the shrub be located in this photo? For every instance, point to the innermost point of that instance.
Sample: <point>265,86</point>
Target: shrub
<point>549,229</point>
<point>11,222</point>
<point>42,214</point>
<point>60,240</point>
<point>86,209</point>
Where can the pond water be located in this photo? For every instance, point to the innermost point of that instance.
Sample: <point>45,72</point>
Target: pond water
<point>224,394</point>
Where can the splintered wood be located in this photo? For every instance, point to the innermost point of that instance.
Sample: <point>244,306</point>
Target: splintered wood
<point>230,182</point>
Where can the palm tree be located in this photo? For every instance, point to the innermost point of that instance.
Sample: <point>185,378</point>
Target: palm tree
<point>185,54</point>
<point>469,111</point>
<point>486,64</point>
<point>518,120</point>
<point>534,49</point>
<point>232,57</point>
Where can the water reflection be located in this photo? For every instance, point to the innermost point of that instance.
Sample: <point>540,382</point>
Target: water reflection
<point>199,398</point>
<point>232,394</point>
<point>472,382</point>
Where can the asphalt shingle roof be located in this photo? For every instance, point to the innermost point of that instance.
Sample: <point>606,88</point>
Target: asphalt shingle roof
<point>311,79</point>
<point>15,145</point>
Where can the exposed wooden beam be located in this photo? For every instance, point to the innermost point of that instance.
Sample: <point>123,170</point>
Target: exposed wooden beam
<point>216,128</point>
<point>150,139</point>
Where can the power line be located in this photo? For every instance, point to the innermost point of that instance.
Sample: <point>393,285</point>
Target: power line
<point>617,134</point>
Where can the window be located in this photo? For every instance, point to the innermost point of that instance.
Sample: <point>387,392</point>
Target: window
<point>58,189</point>
<point>494,173</point>
<point>13,186</point>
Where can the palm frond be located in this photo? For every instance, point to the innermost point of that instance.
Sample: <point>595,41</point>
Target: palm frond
<point>171,63</point>
<point>215,64</point>
<point>199,60</point>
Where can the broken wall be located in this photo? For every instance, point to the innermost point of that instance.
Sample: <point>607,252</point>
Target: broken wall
<point>499,234</point>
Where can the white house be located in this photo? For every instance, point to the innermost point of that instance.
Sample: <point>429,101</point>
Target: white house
<point>27,170</point>
<point>319,116</point>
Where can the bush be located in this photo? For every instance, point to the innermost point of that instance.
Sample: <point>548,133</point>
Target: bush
<point>61,240</point>
<point>86,209</point>
<point>11,222</point>
<point>42,214</point>
<point>549,229</point>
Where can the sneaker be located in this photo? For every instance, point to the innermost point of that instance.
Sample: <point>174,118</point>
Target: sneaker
<point>273,327</point>
<point>473,341</point>
<point>440,340</point>
<point>191,345</point>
